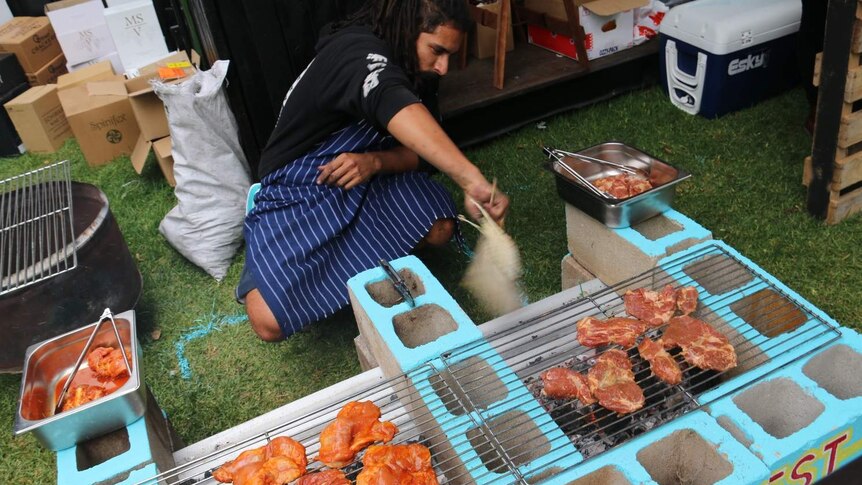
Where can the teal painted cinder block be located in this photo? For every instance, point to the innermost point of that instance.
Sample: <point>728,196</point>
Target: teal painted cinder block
<point>137,454</point>
<point>690,230</point>
<point>382,317</point>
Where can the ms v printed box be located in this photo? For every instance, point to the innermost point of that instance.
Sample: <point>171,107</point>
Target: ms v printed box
<point>136,32</point>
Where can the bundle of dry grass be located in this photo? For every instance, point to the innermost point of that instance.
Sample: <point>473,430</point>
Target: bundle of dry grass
<point>493,276</point>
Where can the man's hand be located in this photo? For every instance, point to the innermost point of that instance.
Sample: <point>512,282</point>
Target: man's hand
<point>492,200</point>
<point>349,170</point>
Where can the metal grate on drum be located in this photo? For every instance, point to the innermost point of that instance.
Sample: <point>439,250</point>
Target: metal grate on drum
<point>37,239</point>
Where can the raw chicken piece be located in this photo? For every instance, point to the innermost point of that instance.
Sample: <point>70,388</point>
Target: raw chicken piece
<point>279,462</point>
<point>565,383</point>
<point>397,465</point>
<point>593,332</point>
<point>80,395</point>
<point>702,345</point>
<point>653,307</point>
<point>660,362</point>
<point>327,477</point>
<point>107,362</point>
<point>623,186</point>
<point>356,426</point>
<point>686,299</point>
<point>612,382</point>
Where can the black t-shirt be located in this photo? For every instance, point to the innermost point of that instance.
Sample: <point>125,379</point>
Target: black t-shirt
<point>351,78</point>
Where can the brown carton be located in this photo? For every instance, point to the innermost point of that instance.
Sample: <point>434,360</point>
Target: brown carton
<point>49,73</point>
<point>149,109</point>
<point>101,118</point>
<point>484,43</point>
<point>32,40</point>
<point>95,72</point>
<point>39,119</point>
<point>164,156</point>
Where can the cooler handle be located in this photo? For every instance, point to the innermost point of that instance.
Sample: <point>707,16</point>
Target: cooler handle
<point>673,70</point>
<point>692,86</point>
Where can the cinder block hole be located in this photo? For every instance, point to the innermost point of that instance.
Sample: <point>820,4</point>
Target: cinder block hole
<point>98,450</point>
<point>608,475</point>
<point>779,406</point>
<point>385,294</point>
<point>539,477</point>
<point>734,430</point>
<point>656,228</point>
<point>520,439</point>
<point>684,458</point>
<point>837,369</point>
<point>472,382</point>
<point>423,324</point>
<point>769,313</point>
<point>718,274</point>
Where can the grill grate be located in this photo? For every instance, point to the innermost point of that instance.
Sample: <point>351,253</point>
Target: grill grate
<point>479,409</point>
<point>37,240</point>
<point>767,328</point>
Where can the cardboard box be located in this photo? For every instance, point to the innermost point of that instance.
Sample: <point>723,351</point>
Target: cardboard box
<point>112,57</point>
<point>96,72</point>
<point>81,29</point>
<point>163,150</point>
<point>101,118</point>
<point>149,109</point>
<point>49,73</point>
<point>608,26</point>
<point>136,32</point>
<point>31,39</point>
<point>484,43</point>
<point>11,74</point>
<point>39,119</point>
<point>10,141</point>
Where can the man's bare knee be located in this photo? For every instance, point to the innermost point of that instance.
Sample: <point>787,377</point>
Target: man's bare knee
<point>441,232</point>
<point>260,317</point>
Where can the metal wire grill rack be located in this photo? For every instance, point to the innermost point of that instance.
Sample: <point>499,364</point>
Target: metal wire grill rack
<point>37,239</point>
<point>479,409</point>
<point>767,327</point>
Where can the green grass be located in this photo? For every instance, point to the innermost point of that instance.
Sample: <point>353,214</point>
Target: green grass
<point>746,189</point>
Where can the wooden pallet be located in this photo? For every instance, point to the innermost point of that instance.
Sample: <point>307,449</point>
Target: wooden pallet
<point>845,185</point>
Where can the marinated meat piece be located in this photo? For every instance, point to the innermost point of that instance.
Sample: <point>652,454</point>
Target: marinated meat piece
<point>686,299</point>
<point>565,383</point>
<point>653,307</point>
<point>279,462</point>
<point>107,362</point>
<point>397,465</point>
<point>702,345</point>
<point>593,332</point>
<point>356,426</point>
<point>248,461</point>
<point>612,382</point>
<point>660,362</point>
<point>328,477</point>
<point>623,186</point>
<point>80,395</point>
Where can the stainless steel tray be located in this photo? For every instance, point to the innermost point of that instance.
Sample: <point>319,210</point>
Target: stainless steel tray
<point>48,362</point>
<point>617,213</point>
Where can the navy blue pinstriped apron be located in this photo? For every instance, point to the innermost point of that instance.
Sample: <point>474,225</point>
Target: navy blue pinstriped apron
<point>304,241</point>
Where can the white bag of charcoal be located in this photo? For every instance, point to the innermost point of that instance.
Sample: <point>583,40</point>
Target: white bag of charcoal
<point>210,168</point>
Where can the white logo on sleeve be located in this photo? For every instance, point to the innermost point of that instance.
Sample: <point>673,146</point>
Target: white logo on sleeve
<point>376,64</point>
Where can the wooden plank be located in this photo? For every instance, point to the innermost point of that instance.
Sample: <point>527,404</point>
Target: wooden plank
<point>853,90</point>
<point>849,171</point>
<point>856,43</point>
<point>840,19</point>
<point>818,60</point>
<point>503,24</point>
<point>806,171</point>
<point>845,206</point>
<point>850,131</point>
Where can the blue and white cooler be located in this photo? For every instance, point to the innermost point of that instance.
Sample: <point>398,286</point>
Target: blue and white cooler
<point>719,56</point>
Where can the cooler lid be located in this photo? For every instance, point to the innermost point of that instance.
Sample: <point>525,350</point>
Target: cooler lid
<point>725,26</point>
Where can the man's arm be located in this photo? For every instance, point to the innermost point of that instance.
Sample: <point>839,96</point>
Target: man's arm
<point>351,169</point>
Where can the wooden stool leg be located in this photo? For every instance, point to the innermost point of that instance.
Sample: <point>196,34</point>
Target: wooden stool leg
<point>503,17</point>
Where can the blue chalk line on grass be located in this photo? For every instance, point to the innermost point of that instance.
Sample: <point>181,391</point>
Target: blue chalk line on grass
<point>216,323</point>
